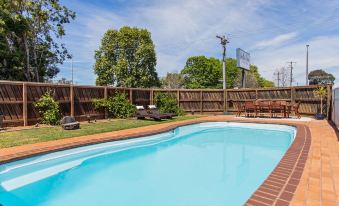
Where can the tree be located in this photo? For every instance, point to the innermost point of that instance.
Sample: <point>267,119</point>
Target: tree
<point>172,81</point>
<point>28,30</point>
<point>321,93</point>
<point>202,72</point>
<point>284,77</point>
<point>320,77</point>
<point>126,58</point>
<point>254,79</point>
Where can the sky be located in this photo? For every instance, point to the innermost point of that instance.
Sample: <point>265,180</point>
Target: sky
<point>273,32</point>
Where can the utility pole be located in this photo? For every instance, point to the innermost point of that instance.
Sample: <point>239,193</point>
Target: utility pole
<point>278,77</point>
<point>223,41</point>
<point>307,64</point>
<point>291,71</point>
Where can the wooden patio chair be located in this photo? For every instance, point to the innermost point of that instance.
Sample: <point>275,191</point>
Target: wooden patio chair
<point>295,109</point>
<point>264,108</point>
<point>239,107</point>
<point>277,107</point>
<point>250,108</point>
<point>152,109</point>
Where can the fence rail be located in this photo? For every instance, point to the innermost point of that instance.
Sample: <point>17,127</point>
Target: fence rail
<point>17,98</point>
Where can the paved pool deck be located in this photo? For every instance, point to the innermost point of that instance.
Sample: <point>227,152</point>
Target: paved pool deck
<point>307,175</point>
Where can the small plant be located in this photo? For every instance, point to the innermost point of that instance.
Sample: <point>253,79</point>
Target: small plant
<point>48,109</point>
<point>321,93</point>
<point>167,104</point>
<point>117,106</point>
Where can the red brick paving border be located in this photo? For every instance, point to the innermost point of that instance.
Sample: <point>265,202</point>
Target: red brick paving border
<point>277,189</point>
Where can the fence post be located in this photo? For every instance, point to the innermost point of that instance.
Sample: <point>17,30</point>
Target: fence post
<point>201,106</point>
<point>71,94</point>
<point>226,100</point>
<point>151,98</point>
<point>292,95</point>
<point>24,104</point>
<point>328,107</point>
<point>131,95</point>
<point>105,97</point>
<point>178,97</point>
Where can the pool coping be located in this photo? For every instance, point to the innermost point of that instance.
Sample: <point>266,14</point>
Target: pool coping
<point>278,188</point>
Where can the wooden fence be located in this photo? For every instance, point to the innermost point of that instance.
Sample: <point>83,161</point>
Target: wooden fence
<point>17,98</point>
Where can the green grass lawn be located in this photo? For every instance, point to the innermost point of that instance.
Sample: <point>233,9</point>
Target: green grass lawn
<point>34,135</point>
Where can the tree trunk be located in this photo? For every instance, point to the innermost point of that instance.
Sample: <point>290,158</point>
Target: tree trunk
<point>321,105</point>
<point>28,67</point>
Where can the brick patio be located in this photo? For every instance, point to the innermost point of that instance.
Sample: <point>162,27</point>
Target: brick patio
<point>308,174</point>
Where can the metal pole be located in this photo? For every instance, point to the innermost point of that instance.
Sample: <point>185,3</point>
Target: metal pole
<point>72,70</point>
<point>307,64</point>
<point>223,42</point>
<point>224,72</point>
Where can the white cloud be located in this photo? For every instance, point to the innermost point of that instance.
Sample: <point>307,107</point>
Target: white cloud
<point>276,41</point>
<point>323,53</point>
<point>181,28</point>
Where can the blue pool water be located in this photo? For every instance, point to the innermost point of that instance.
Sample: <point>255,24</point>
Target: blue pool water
<point>212,164</point>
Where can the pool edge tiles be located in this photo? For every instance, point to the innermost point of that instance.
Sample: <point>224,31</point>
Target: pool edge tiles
<point>280,186</point>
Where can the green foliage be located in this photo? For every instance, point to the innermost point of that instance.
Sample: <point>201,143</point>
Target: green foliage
<point>28,50</point>
<point>167,104</point>
<point>117,106</point>
<point>321,93</point>
<point>320,77</point>
<point>202,72</point>
<point>126,58</point>
<point>261,81</point>
<point>172,81</point>
<point>48,109</point>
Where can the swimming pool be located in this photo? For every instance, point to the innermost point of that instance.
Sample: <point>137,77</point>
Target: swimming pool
<point>216,163</point>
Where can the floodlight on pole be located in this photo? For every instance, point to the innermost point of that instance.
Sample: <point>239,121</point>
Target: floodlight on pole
<point>223,41</point>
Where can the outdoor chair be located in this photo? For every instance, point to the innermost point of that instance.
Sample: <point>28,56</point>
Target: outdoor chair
<point>69,123</point>
<point>264,108</point>
<point>153,110</point>
<point>142,113</point>
<point>295,109</point>
<point>250,108</point>
<point>240,108</point>
<point>277,107</point>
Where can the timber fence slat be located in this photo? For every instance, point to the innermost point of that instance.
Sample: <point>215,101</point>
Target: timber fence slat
<point>191,100</point>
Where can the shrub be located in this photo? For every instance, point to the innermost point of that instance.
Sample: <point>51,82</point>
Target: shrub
<point>117,106</point>
<point>167,104</point>
<point>48,109</point>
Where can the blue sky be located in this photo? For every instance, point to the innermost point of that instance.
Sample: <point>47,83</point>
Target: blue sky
<point>274,32</point>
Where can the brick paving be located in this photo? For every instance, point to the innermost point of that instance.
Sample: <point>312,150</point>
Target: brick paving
<point>308,174</point>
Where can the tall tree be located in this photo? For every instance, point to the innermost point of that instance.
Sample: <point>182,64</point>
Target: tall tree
<point>172,81</point>
<point>126,58</point>
<point>28,30</point>
<point>254,79</point>
<point>320,77</point>
<point>202,72</point>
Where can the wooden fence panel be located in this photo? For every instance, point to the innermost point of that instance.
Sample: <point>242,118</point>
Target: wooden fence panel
<point>11,103</point>
<point>13,98</point>
<point>83,98</point>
